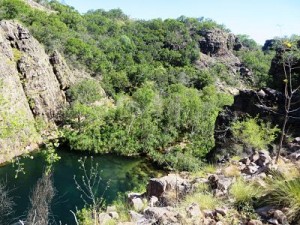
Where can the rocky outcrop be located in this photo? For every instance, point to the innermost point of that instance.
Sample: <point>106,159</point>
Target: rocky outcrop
<point>217,47</point>
<point>277,71</point>
<point>189,208</point>
<point>162,187</point>
<point>62,71</point>
<point>265,103</point>
<point>32,87</point>
<point>39,82</point>
<point>269,45</point>
<point>216,42</point>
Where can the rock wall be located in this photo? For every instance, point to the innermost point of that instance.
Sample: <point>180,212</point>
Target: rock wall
<point>32,87</point>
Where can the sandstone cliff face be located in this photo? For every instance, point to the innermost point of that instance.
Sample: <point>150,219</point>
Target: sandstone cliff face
<point>32,87</point>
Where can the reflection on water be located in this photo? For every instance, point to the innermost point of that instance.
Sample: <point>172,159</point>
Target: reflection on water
<point>124,174</point>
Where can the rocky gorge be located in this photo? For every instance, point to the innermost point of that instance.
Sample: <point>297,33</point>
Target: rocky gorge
<point>40,81</point>
<point>216,111</point>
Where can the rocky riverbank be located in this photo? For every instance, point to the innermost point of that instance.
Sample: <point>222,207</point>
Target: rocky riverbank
<point>237,192</point>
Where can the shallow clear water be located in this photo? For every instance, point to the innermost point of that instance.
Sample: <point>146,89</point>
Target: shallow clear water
<point>124,174</point>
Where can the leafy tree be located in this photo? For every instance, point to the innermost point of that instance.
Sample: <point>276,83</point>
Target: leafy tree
<point>259,63</point>
<point>248,42</point>
<point>162,102</point>
<point>86,92</point>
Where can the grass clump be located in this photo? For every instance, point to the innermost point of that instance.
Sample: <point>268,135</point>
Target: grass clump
<point>205,170</point>
<point>17,54</point>
<point>205,200</point>
<point>283,192</point>
<point>254,132</point>
<point>122,208</point>
<point>244,192</point>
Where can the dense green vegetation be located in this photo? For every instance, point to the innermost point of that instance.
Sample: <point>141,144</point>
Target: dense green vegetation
<point>160,105</point>
<point>259,63</point>
<point>146,97</point>
<point>164,126</point>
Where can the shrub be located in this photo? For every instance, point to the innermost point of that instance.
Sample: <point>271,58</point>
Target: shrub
<point>87,91</point>
<point>254,132</point>
<point>84,216</point>
<point>259,63</point>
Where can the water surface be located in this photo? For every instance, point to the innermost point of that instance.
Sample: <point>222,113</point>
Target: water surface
<point>123,173</point>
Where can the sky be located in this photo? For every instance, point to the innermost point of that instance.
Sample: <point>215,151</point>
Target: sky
<point>260,19</point>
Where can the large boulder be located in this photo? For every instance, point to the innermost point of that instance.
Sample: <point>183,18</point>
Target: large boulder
<point>168,187</point>
<point>219,184</point>
<point>163,215</point>
<point>136,201</point>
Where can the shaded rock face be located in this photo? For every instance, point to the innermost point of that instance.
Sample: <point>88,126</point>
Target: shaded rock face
<point>62,71</point>
<point>269,45</point>
<point>31,86</point>
<point>277,71</point>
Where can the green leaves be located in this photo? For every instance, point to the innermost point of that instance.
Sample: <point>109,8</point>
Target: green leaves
<point>259,63</point>
<point>86,92</point>
<point>166,127</point>
<point>254,132</point>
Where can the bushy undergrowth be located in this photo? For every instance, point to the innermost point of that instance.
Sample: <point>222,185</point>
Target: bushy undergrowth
<point>259,63</point>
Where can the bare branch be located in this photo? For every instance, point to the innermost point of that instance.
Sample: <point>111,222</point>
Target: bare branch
<point>89,185</point>
<point>76,221</point>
